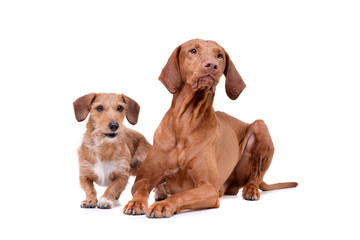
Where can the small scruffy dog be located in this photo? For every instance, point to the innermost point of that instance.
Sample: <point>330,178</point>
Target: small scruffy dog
<point>109,152</point>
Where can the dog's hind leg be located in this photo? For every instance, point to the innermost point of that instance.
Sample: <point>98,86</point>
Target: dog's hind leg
<point>257,152</point>
<point>161,192</point>
<point>258,155</point>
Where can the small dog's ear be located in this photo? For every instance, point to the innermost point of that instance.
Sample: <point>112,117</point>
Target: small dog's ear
<point>234,84</point>
<point>170,75</point>
<point>132,110</point>
<point>82,106</point>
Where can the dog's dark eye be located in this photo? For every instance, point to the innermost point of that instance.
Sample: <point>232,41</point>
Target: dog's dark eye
<point>220,55</point>
<point>100,108</point>
<point>193,51</point>
<point>120,108</point>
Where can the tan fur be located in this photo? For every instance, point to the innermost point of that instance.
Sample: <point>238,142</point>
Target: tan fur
<point>200,154</point>
<point>124,152</point>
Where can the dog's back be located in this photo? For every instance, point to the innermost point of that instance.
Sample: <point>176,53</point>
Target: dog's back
<point>139,148</point>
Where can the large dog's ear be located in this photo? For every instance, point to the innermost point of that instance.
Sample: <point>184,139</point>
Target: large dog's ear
<point>82,106</point>
<point>234,84</point>
<point>132,109</point>
<point>170,75</point>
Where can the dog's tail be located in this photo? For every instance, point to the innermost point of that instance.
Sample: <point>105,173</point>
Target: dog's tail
<point>268,187</point>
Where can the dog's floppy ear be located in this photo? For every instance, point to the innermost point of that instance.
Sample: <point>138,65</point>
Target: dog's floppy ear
<point>234,84</point>
<point>132,110</point>
<point>170,75</point>
<point>82,106</point>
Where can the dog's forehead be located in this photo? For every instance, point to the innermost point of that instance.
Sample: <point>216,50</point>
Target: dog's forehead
<point>108,98</point>
<point>199,43</point>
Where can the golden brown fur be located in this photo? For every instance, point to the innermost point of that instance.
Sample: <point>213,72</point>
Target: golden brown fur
<point>109,152</point>
<point>199,154</point>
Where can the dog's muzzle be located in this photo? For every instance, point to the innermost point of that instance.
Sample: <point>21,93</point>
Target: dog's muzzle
<point>113,126</point>
<point>206,82</point>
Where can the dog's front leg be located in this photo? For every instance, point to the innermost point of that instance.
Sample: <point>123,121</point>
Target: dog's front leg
<point>138,205</point>
<point>87,185</point>
<point>150,174</point>
<point>204,195</point>
<point>113,191</point>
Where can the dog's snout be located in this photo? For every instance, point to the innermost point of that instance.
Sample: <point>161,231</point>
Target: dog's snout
<point>113,126</point>
<point>211,65</point>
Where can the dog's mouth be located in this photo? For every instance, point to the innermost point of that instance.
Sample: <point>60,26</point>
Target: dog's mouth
<point>205,82</point>
<point>110,135</point>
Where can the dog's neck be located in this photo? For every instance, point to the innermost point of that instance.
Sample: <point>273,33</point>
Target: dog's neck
<point>194,106</point>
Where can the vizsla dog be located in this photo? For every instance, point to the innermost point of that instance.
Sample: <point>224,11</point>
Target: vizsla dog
<point>198,153</point>
<point>109,151</point>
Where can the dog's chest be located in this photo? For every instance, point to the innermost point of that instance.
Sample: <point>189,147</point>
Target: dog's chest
<point>104,169</point>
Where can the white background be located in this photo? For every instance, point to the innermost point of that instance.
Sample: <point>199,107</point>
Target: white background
<point>299,59</point>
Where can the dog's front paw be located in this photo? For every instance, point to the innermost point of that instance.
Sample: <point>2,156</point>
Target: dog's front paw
<point>88,203</point>
<point>135,207</point>
<point>251,192</point>
<point>105,203</point>
<point>161,209</point>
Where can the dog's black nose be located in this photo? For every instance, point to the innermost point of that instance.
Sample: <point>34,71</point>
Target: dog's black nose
<point>113,126</point>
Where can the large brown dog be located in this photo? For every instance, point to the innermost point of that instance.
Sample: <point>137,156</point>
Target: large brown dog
<point>201,154</point>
